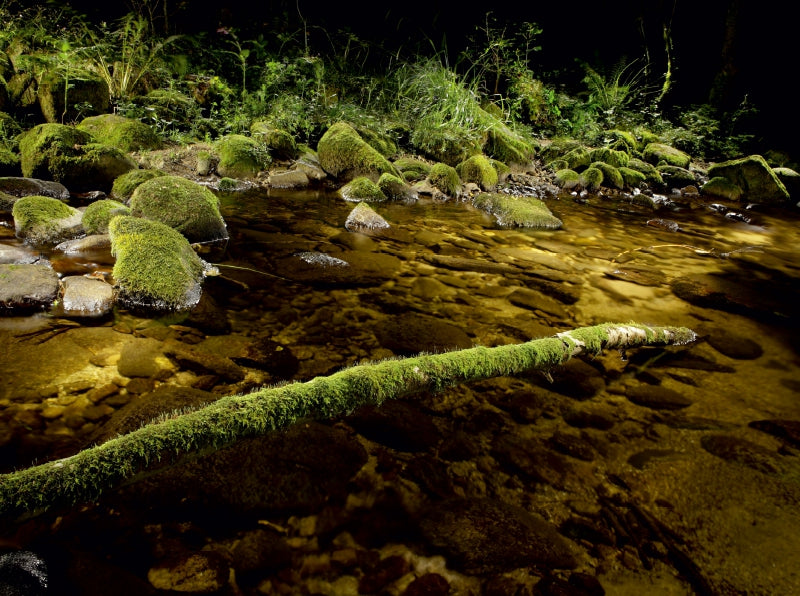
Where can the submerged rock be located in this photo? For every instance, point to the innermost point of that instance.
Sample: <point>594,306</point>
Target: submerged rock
<point>27,286</point>
<point>86,297</point>
<point>412,333</point>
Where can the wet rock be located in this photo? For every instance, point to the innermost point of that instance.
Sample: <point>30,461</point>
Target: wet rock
<point>289,179</point>
<point>657,397</point>
<point>741,451</point>
<point>412,333</point>
<point>578,584</point>
<point>94,245</point>
<point>397,424</point>
<point>203,362</point>
<point>386,571</point>
<point>430,584</point>
<point>363,218</point>
<point>351,267</point>
<point>266,354</point>
<point>787,430</point>
<point>640,459</point>
<point>13,255</point>
<point>258,551</point>
<point>203,572</point>
<point>467,264</point>
<point>23,572</point>
<point>27,286</point>
<point>86,297</point>
<point>143,357</point>
<point>45,221</point>
<point>534,300</point>
<point>150,406</point>
<point>584,418</point>
<point>530,458</point>
<point>487,536</point>
<point>295,471</point>
<point>572,445</point>
<point>734,345</point>
<point>754,176</point>
<point>24,187</point>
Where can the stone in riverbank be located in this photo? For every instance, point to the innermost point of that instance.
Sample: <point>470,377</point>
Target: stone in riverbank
<point>41,220</point>
<point>27,286</point>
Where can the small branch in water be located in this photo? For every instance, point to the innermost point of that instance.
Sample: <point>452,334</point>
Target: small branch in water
<point>702,252</point>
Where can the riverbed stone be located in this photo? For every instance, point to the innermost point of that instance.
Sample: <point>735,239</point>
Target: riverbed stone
<point>754,176</point>
<point>143,357</point>
<point>45,221</point>
<point>412,333</point>
<point>734,345</point>
<point>657,397</point>
<point>741,451</point>
<point>27,286</point>
<point>363,218</point>
<point>487,536</point>
<point>10,255</point>
<point>23,187</point>
<point>86,297</point>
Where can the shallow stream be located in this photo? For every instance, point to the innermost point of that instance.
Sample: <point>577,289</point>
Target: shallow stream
<point>664,471</point>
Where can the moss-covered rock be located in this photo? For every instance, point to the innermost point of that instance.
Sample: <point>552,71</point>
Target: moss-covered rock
<point>592,179</point>
<point>361,189</point>
<point>790,179</point>
<point>659,153</point>
<point>502,170</point>
<point>578,158</point>
<point>98,213</point>
<point>68,155</point>
<point>478,169</point>
<point>527,212</point>
<point>9,163</point>
<point>7,202</point>
<point>58,97</point>
<point>182,204</point>
<point>753,175</point>
<point>126,134</point>
<point>412,169</point>
<point>280,143</point>
<point>623,140</point>
<point>448,144</point>
<point>558,147</point>
<point>363,218</point>
<point>649,170</point>
<point>611,176</point>
<point>632,178</point>
<point>345,155</point>
<point>396,188</point>
<point>124,185</point>
<point>609,156</point>
<point>241,156</point>
<point>445,178</point>
<point>381,142</point>
<point>503,144</point>
<point>45,221</point>
<point>567,179</point>
<point>155,265</point>
<point>676,177</point>
<point>722,188</point>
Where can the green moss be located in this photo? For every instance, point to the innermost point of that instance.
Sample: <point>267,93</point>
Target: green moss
<point>558,147</point>
<point>228,184</point>
<point>361,189</point>
<point>155,265</point>
<point>611,176</point>
<point>478,169</point>
<point>528,212</point>
<point>412,169</point>
<point>241,156</point>
<point>592,179</point>
<point>578,158</point>
<point>279,142</point>
<point>609,156</point>
<point>44,220</point>
<point>124,185</point>
<point>394,188</point>
<point>722,188</point>
<point>445,178</point>
<point>345,155</point>
<point>9,163</point>
<point>181,204</point>
<point>567,179</point>
<point>85,91</point>
<point>675,176</point>
<point>626,138</point>
<point>754,176</point>
<point>382,143</point>
<point>97,215</point>
<point>503,144</point>
<point>43,143</point>
<point>658,153</point>
<point>502,169</point>
<point>651,173</point>
<point>123,133</point>
<point>632,178</point>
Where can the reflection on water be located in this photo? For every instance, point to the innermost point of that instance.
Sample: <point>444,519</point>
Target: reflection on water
<point>443,275</point>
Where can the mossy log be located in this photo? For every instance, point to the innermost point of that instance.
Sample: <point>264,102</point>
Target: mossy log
<point>85,475</point>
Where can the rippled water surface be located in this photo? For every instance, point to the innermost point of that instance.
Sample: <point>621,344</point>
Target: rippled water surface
<point>445,275</point>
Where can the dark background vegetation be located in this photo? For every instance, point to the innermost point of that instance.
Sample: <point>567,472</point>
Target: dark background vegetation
<point>723,51</point>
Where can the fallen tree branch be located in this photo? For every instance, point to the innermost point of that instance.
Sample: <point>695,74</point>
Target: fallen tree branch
<point>85,475</point>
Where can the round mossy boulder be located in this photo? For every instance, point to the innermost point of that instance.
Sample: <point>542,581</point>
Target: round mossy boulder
<point>479,170</point>
<point>676,177</point>
<point>241,156</point>
<point>649,170</point>
<point>567,179</point>
<point>632,178</point>
<point>69,156</point>
<point>609,156</point>
<point>182,204</point>
<point>155,265</point>
<point>445,178</point>
<point>412,169</point>
<point>345,155</point>
<point>503,144</point>
<point>723,188</point>
<point>659,153</point>
<point>123,133</point>
<point>396,188</point>
<point>45,221</point>
<point>58,97</point>
<point>592,179</point>
<point>124,185</point>
<point>611,176</point>
<point>97,215</point>
<point>279,142</point>
<point>361,189</point>
<point>577,158</point>
<point>521,211</point>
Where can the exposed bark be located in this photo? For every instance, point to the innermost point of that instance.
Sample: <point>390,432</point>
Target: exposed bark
<point>85,475</point>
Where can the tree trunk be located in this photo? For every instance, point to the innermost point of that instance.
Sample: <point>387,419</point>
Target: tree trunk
<point>85,475</point>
